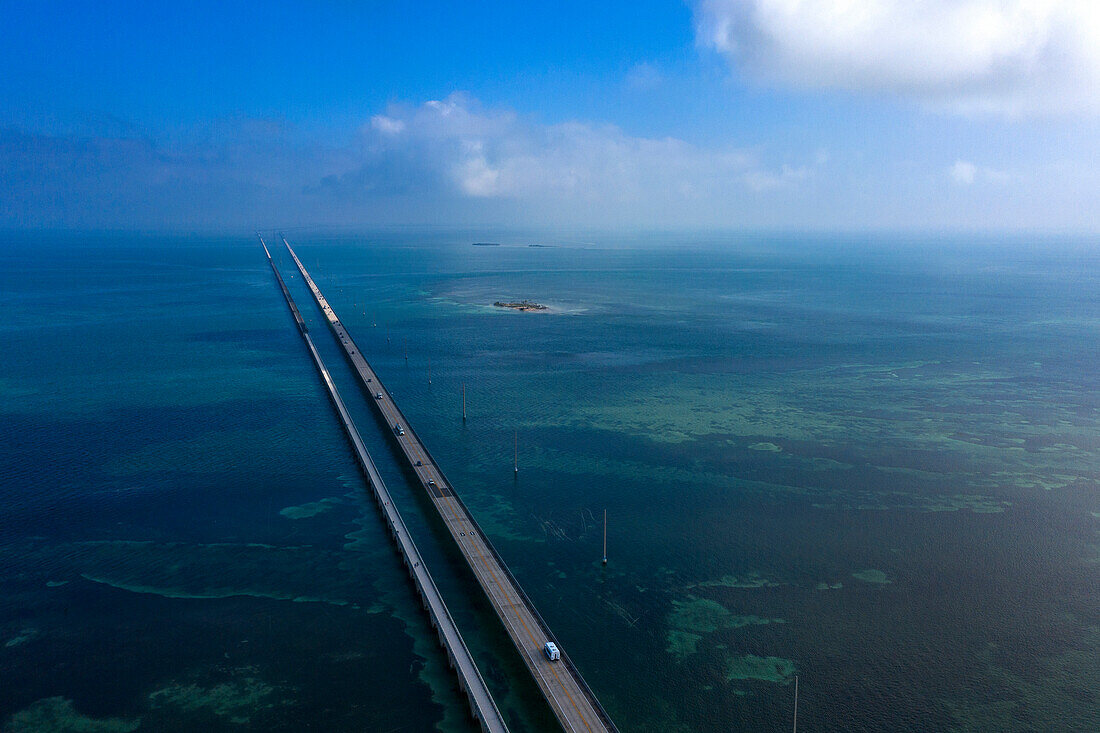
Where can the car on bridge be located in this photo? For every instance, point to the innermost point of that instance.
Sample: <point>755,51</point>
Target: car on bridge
<point>551,651</point>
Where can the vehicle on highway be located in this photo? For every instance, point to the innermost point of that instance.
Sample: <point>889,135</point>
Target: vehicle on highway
<point>398,429</point>
<point>551,651</point>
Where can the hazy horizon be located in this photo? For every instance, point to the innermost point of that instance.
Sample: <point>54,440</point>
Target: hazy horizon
<point>742,115</point>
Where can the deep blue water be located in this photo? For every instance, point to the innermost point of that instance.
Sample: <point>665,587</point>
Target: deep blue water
<point>869,462</point>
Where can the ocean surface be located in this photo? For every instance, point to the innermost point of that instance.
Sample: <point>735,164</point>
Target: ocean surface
<point>871,463</point>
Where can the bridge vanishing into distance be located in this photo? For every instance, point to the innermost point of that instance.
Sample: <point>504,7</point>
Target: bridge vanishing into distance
<point>569,696</point>
<point>482,706</point>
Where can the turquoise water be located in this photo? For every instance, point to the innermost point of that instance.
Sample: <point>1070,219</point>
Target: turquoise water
<point>869,463</point>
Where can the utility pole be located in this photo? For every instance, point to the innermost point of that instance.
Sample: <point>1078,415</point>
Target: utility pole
<point>795,729</point>
<point>604,536</point>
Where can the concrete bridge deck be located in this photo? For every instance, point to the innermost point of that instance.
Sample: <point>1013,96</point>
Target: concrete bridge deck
<point>572,701</point>
<point>482,706</point>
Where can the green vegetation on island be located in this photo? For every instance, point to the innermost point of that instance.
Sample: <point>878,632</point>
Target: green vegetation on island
<point>522,305</point>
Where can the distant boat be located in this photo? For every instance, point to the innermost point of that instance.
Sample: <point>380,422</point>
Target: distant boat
<point>486,244</point>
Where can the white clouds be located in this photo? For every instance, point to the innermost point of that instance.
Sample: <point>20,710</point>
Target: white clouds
<point>387,125</point>
<point>1004,56</point>
<point>455,147</point>
<point>454,161</point>
<point>443,161</point>
<point>760,180</point>
<point>963,172</point>
<point>644,77</point>
<point>474,175</point>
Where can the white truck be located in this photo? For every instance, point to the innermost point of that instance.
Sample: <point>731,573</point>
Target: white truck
<point>551,651</point>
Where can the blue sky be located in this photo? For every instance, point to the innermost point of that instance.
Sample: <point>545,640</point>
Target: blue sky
<point>731,114</point>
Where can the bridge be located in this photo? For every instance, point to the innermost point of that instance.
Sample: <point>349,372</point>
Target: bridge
<point>560,682</point>
<point>481,702</point>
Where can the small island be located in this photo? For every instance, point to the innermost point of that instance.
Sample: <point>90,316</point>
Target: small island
<point>523,305</point>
